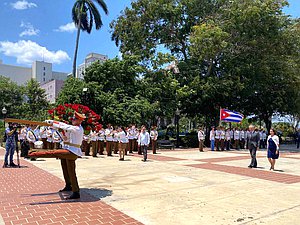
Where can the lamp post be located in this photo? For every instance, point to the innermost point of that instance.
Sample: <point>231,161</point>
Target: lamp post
<point>4,111</point>
<point>177,113</point>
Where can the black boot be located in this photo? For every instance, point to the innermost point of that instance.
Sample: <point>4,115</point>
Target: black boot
<point>74,195</point>
<point>66,188</point>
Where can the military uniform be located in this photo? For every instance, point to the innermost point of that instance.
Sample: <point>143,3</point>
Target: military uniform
<point>153,136</point>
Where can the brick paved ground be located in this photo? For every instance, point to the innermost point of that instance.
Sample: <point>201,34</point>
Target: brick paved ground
<point>28,196</point>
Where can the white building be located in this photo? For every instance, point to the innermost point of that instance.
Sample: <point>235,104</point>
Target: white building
<point>88,61</point>
<point>52,89</point>
<point>40,71</point>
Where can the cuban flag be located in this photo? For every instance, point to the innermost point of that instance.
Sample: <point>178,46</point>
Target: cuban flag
<point>230,116</point>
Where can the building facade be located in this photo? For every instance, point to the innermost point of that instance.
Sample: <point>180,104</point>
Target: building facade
<point>88,61</point>
<point>40,71</point>
<point>52,89</point>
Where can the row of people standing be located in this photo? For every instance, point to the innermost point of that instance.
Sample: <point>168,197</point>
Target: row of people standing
<point>115,139</point>
<point>225,139</point>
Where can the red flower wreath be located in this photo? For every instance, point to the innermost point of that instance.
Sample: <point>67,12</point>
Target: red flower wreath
<point>64,113</point>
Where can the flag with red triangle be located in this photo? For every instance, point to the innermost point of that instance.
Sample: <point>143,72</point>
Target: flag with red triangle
<point>230,116</point>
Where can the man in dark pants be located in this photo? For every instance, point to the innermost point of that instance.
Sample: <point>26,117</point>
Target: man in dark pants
<point>253,143</point>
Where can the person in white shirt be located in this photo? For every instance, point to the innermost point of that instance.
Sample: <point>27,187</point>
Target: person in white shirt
<point>273,148</point>
<point>212,138</point>
<point>101,138</point>
<point>242,139</point>
<point>153,136</point>
<point>227,139</point>
<point>131,137</point>
<point>94,142</point>
<point>68,155</point>
<point>123,142</point>
<point>236,137</point>
<point>143,141</point>
<point>201,137</point>
<point>109,140</point>
<point>218,138</point>
<point>115,145</point>
<point>222,138</point>
<point>86,143</point>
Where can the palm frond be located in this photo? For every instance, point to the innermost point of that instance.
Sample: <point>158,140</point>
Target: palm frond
<point>103,5</point>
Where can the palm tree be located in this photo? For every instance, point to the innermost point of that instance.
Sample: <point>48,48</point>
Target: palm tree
<point>84,14</point>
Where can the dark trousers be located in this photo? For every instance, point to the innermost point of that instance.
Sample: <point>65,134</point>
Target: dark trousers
<point>131,145</point>
<point>109,148</point>
<point>298,142</point>
<point>153,144</point>
<point>144,150</point>
<point>85,147</point>
<point>94,148</point>
<point>217,143</point>
<point>69,171</point>
<point>100,147</point>
<point>201,145</point>
<point>252,151</point>
<point>227,144</point>
<point>222,144</point>
<point>236,144</point>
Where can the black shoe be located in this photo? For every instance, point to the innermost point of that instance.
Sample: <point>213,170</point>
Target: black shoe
<point>66,188</point>
<point>122,159</point>
<point>32,159</point>
<point>130,151</point>
<point>74,195</point>
<point>250,166</point>
<point>5,165</point>
<point>12,165</point>
<point>254,166</point>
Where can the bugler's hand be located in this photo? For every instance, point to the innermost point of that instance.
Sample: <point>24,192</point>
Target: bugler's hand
<point>50,122</point>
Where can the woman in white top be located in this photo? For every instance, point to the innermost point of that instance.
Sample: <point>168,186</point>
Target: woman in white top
<point>123,142</point>
<point>273,148</point>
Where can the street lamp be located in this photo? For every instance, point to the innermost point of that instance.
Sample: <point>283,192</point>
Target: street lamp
<point>177,113</point>
<point>4,111</point>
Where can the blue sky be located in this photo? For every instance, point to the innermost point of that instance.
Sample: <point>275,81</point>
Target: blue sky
<point>39,29</point>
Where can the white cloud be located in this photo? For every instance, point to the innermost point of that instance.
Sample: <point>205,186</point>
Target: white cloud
<point>69,27</point>
<point>21,5</point>
<point>29,30</point>
<point>28,51</point>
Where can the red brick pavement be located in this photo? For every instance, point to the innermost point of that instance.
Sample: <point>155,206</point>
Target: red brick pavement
<point>28,196</point>
<point>254,173</point>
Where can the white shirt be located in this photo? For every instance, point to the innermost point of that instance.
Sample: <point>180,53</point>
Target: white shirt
<point>101,135</point>
<point>275,139</point>
<point>218,134</point>
<point>93,135</point>
<point>227,135</point>
<point>236,135</point>
<point>242,135</point>
<point>108,135</point>
<point>153,135</point>
<point>122,137</point>
<point>76,136</point>
<point>212,135</point>
<point>144,138</point>
<point>201,135</point>
<point>222,134</point>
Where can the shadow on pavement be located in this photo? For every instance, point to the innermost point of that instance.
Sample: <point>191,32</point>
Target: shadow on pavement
<point>87,195</point>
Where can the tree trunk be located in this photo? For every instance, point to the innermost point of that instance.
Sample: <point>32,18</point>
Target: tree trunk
<point>268,121</point>
<point>76,50</point>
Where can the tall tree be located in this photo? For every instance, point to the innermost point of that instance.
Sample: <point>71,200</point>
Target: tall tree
<point>84,15</point>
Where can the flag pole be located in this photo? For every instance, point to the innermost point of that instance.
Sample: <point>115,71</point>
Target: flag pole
<point>220,116</point>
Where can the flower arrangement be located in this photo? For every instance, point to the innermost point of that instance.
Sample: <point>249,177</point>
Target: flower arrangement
<point>64,113</point>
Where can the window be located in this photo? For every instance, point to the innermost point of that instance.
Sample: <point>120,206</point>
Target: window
<point>44,79</point>
<point>44,68</point>
<point>44,73</point>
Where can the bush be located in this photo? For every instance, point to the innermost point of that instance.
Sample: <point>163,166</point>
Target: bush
<point>190,140</point>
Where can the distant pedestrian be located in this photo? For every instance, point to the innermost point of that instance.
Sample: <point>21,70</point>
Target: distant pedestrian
<point>123,142</point>
<point>153,136</point>
<point>253,144</point>
<point>10,145</point>
<point>212,138</point>
<point>201,137</point>
<point>298,138</point>
<point>144,141</point>
<point>273,148</point>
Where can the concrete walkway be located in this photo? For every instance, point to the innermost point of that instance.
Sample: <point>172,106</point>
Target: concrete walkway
<point>174,187</point>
